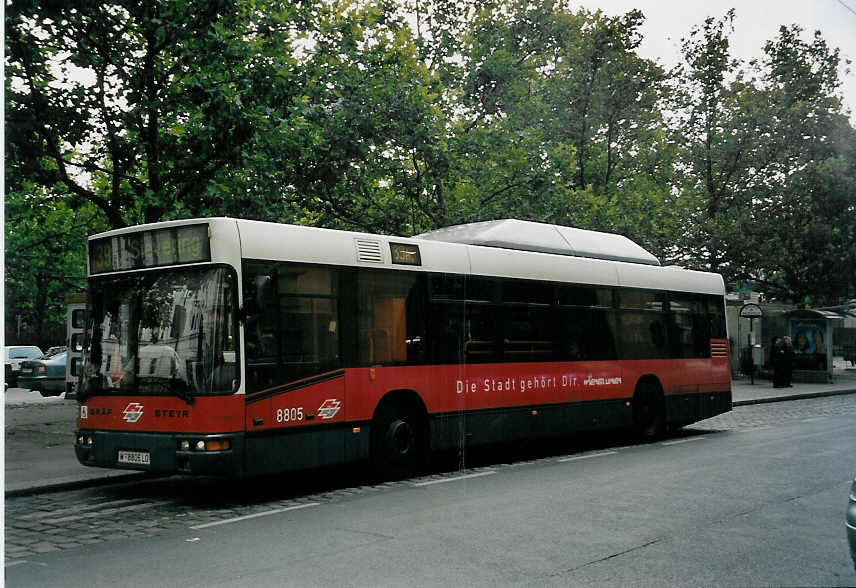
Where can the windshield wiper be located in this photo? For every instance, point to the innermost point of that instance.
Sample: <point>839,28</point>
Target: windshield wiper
<point>183,391</point>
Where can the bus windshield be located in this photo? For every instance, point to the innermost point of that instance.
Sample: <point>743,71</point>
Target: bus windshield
<point>169,332</point>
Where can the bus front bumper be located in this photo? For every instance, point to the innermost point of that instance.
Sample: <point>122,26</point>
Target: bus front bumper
<point>162,453</point>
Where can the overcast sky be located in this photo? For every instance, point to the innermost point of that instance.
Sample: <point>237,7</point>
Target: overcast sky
<point>756,21</point>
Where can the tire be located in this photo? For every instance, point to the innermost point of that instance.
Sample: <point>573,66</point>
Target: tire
<point>648,411</point>
<point>398,441</point>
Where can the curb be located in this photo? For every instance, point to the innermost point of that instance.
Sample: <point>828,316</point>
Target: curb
<point>803,396</point>
<point>60,485</point>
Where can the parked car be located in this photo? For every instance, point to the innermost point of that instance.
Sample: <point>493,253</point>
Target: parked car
<point>46,375</point>
<point>851,523</point>
<point>14,355</point>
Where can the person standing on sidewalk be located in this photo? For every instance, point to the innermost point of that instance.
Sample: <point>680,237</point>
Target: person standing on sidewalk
<point>787,362</point>
<point>777,356</point>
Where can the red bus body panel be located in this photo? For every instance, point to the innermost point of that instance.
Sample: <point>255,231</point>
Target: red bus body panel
<point>162,414</point>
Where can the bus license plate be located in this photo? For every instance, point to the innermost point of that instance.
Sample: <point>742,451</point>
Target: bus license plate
<point>135,457</point>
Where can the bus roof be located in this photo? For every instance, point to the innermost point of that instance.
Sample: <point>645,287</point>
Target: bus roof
<point>487,249</point>
<point>531,236</point>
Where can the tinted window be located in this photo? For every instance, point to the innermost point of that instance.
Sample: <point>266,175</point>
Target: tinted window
<point>529,334</point>
<point>292,329</point>
<point>585,335</point>
<point>480,289</point>
<point>642,299</point>
<point>527,292</point>
<point>643,335</point>
<point>690,330</point>
<point>447,287</point>
<point>716,316</point>
<point>445,332</point>
<point>585,296</point>
<point>391,318</point>
<point>480,335</point>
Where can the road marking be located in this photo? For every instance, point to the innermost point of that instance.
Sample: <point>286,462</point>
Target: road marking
<point>256,515</point>
<point>455,479</point>
<point>589,456</point>
<point>685,440</point>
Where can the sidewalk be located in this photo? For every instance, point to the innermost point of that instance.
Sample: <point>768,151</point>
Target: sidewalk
<point>744,392</point>
<point>40,433</point>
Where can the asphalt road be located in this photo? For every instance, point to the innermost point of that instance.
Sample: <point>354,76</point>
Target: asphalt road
<point>755,497</point>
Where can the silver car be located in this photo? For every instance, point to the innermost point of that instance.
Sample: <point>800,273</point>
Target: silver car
<point>14,356</point>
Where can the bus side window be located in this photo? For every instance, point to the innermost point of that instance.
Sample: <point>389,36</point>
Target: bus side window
<point>480,337</point>
<point>690,325</point>
<point>391,317</point>
<point>529,334</point>
<point>445,322</point>
<point>642,320</point>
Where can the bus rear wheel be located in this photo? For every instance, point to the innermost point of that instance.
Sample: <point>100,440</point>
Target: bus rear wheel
<point>648,410</point>
<point>398,441</point>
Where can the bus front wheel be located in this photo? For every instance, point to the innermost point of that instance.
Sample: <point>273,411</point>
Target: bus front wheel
<point>398,446</point>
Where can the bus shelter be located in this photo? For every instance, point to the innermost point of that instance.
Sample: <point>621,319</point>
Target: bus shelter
<point>811,336</point>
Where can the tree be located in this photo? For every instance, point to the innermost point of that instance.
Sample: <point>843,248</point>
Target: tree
<point>806,243</point>
<point>122,105</point>
<point>557,118</point>
<point>45,262</point>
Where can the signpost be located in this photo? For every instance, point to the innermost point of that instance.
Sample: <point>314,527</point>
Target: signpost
<point>751,311</point>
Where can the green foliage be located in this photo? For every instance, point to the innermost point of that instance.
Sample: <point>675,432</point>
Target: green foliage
<point>45,262</point>
<point>401,117</point>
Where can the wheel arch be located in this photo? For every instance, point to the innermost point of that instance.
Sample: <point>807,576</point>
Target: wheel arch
<point>649,380</point>
<point>403,397</point>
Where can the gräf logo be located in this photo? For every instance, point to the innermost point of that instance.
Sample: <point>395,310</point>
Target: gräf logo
<point>133,412</point>
<point>329,409</point>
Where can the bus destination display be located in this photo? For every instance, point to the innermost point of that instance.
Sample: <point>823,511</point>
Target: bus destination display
<point>175,245</point>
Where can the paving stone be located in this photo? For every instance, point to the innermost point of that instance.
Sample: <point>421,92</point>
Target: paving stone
<point>44,547</point>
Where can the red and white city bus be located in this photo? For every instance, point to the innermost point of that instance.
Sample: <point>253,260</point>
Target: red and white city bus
<point>225,346</point>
